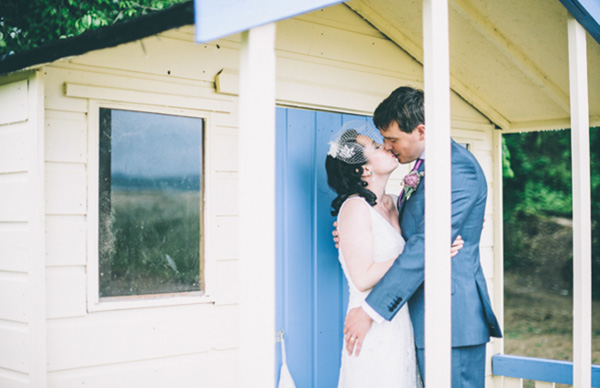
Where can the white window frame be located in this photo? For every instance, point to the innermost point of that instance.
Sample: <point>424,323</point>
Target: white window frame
<point>94,302</point>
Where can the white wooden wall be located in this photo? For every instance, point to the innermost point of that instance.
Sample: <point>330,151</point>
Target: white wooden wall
<point>22,301</point>
<point>177,341</point>
<point>329,60</point>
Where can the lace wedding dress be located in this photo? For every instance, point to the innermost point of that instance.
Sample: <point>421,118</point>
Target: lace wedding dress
<point>387,358</point>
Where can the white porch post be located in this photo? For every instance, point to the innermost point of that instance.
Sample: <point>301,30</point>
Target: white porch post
<point>582,246</point>
<point>438,334</point>
<point>497,222</point>
<point>257,207</point>
<point>37,319</point>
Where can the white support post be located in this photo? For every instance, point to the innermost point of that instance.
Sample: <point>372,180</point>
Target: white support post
<point>498,295</point>
<point>438,332</point>
<point>582,245</point>
<point>37,319</point>
<point>497,222</point>
<point>257,207</point>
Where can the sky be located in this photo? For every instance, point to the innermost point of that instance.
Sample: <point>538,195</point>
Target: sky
<point>152,145</point>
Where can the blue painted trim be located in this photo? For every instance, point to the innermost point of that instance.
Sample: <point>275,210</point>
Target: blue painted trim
<point>587,13</point>
<point>538,369</point>
<point>219,18</point>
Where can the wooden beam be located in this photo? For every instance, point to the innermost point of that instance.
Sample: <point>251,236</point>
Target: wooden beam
<point>544,125</point>
<point>539,125</point>
<point>438,290</point>
<point>511,51</point>
<point>414,50</point>
<point>257,205</point>
<point>582,224</point>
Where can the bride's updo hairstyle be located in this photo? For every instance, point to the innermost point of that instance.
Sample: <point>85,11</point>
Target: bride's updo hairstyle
<point>345,161</point>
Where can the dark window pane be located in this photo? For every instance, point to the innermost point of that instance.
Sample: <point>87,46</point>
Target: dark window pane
<point>150,203</point>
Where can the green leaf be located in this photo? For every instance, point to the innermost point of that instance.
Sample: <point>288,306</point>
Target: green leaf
<point>28,24</point>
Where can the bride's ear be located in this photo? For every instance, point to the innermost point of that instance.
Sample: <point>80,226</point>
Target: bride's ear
<point>367,172</point>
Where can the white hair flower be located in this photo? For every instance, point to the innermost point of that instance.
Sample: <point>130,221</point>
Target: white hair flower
<point>333,149</point>
<point>346,152</point>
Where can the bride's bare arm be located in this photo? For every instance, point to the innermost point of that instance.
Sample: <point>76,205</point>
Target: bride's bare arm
<point>356,243</point>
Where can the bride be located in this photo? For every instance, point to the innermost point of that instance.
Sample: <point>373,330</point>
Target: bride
<point>358,169</point>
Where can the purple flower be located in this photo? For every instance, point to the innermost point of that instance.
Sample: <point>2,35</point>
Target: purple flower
<point>411,181</point>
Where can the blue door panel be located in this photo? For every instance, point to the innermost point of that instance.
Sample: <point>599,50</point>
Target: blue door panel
<point>329,288</point>
<point>299,282</point>
<point>311,291</point>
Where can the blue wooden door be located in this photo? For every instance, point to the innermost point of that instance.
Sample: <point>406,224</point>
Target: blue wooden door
<point>311,290</point>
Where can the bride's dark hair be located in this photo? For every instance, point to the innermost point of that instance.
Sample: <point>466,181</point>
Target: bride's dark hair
<point>345,179</point>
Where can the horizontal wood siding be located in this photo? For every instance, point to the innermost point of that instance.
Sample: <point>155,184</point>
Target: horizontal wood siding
<point>182,345</point>
<point>214,369</point>
<point>22,321</point>
<point>321,65</point>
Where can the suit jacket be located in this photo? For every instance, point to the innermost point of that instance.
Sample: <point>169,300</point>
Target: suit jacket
<point>473,321</point>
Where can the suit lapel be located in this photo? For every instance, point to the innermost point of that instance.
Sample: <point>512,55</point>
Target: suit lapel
<point>403,201</point>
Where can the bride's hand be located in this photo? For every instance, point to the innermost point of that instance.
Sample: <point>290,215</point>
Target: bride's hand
<point>456,246</point>
<point>356,326</point>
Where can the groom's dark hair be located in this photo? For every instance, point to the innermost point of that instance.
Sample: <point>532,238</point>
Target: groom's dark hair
<point>405,106</point>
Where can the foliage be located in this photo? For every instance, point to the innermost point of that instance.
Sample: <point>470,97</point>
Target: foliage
<point>537,186</point>
<point>541,179</point>
<point>26,24</point>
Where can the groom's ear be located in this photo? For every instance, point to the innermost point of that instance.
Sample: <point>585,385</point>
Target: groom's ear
<point>421,131</point>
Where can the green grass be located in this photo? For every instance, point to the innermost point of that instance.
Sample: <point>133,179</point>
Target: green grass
<point>539,323</point>
<point>150,244</point>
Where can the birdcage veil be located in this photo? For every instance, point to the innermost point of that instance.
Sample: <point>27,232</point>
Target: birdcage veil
<point>344,145</point>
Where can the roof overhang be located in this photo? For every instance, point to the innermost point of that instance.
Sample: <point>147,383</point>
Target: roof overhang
<point>587,13</point>
<point>508,58</point>
<point>127,31</point>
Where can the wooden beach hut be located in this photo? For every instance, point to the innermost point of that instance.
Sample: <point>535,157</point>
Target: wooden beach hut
<point>164,212</point>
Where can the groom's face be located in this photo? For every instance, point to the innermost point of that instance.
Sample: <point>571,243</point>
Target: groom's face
<point>407,147</point>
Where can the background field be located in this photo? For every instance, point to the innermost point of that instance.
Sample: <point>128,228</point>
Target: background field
<point>538,301</point>
<point>538,244</point>
<point>153,245</point>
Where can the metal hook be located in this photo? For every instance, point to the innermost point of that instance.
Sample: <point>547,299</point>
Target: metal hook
<point>279,335</point>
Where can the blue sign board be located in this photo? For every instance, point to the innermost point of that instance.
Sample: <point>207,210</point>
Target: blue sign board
<point>219,18</point>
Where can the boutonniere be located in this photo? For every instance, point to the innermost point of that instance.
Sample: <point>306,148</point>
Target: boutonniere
<point>411,182</point>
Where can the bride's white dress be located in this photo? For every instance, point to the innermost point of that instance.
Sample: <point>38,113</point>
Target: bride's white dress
<point>387,358</point>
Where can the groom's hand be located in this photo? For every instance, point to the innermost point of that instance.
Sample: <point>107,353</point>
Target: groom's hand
<point>357,324</point>
<point>457,245</point>
<point>336,235</point>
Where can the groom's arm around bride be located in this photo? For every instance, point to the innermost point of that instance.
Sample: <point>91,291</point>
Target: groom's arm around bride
<point>473,320</point>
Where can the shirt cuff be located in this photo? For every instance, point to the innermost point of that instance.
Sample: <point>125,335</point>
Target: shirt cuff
<point>372,313</point>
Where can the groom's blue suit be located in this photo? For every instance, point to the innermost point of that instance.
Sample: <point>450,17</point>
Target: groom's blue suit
<point>473,321</point>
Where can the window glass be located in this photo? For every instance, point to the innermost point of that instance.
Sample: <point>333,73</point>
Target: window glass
<point>150,196</point>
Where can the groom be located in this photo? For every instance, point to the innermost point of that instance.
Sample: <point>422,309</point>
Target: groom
<point>400,119</point>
